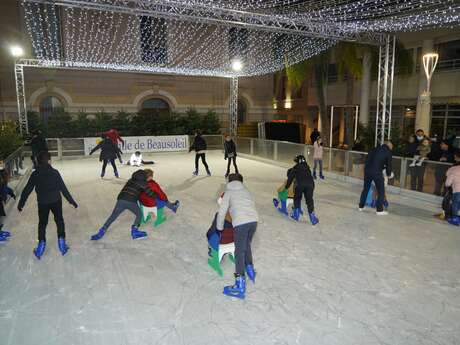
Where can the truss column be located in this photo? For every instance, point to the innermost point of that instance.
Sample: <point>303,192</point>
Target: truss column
<point>233,115</point>
<point>21,99</point>
<point>385,90</point>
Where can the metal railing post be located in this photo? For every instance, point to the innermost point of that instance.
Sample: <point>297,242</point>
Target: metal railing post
<point>402,173</point>
<point>346,169</point>
<point>59,148</point>
<point>275,151</point>
<point>251,147</point>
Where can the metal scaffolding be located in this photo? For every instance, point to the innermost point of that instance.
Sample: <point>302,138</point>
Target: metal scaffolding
<point>21,98</point>
<point>385,90</point>
<point>233,115</point>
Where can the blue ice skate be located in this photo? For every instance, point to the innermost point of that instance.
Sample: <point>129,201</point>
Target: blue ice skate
<point>281,209</point>
<point>313,219</point>
<point>99,234</point>
<point>4,233</point>
<point>295,214</point>
<point>321,176</point>
<point>40,250</point>
<point>3,239</point>
<point>454,220</point>
<point>314,175</point>
<point>63,247</point>
<point>251,273</point>
<point>175,206</point>
<point>136,233</point>
<point>238,290</point>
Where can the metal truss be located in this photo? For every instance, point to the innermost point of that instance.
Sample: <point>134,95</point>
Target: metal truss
<point>180,10</point>
<point>21,98</point>
<point>385,90</point>
<point>233,115</point>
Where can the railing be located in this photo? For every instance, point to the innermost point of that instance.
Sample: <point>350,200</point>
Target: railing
<point>17,166</point>
<point>428,178</point>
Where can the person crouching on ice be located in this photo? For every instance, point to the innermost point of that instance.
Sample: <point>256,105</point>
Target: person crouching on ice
<point>304,185</point>
<point>127,200</point>
<point>238,201</point>
<point>159,202</point>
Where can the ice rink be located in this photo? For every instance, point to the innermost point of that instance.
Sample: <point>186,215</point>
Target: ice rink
<point>354,279</point>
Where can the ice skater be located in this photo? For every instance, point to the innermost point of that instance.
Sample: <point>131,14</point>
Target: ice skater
<point>5,192</point>
<point>199,146</point>
<point>160,202</point>
<point>49,186</point>
<point>318,157</point>
<point>230,154</point>
<point>127,200</point>
<point>136,160</point>
<point>109,152</point>
<point>377,160</point>
<point>238,201</point>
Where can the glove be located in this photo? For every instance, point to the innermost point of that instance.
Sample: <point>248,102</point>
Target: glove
<point>75,205</point>
<point>13,196</point>
<point>19,208</point>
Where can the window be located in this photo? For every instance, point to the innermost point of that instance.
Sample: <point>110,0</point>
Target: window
<point>154,40</point>
<point>445,120</point>
<point>155,106</point>
<point>48,106</point>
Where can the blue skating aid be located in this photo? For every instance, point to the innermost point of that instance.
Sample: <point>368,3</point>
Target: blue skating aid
<point>251,273</point>
<point>313,219</point>
<point>136,233</point>
<point>238,290</point>
<point>63,247</point>
<point>3,239</point>
<point>40,250</point>
<point>99,234</point>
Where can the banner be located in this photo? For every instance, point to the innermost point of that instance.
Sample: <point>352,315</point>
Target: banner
<point>170,143</point>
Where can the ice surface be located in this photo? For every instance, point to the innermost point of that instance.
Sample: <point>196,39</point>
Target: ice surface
<point>353,279</point>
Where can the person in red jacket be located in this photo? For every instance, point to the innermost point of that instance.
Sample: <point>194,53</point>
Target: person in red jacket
<point>113,135</point>
<point>161,199</point>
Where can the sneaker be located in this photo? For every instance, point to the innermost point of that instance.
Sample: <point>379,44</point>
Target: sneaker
<point>381,213</point>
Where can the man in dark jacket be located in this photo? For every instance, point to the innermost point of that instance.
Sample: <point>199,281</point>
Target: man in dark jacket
<point>109,152</point>
<point>37,145</point>
<point>127,200</point>
<point>230,154</point>
<point>199,146</point>
<point>304,185</point>
<point>48,185</point>
<point>378,159</point>
<point>314,135</point>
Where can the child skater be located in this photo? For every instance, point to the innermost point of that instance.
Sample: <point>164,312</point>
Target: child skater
<point>5,191</point>
<point>318,157</point>
<point>230,154</point>
<point>159,202</point>
<point>127,200</point>
<point>238,201</point>
<point>304,185</point>
<point>199,146</point>
<point>109,152</point>
<point>137,161</point>
<point>48,185</point>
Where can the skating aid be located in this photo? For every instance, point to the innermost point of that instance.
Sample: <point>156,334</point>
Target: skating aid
<point>251,273</point>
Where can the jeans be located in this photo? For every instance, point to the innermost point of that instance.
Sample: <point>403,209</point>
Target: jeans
<point>229,160</point>
<point>417,175</point>
<point>43,214</point>
<point>119,208</point>
<point>203,160</point>
<point>379,186</point>
<point>104,165</point>
<point>243,235</point>
<point>455,204</point>
<point>307,191</point>
<point>320,163</point>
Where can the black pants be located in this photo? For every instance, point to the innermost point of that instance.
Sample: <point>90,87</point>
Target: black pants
<point>416,179</point>
<point>380,187</point>
<point>43,214</point>
<point>229,161</point>
<point>104,165</point>
<point>243,235</point>
<point>306,191</point>
<point>440,180</point>
<point>203,160</point>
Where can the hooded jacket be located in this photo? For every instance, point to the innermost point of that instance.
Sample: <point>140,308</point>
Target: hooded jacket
<point>239,203</point>
<point>135,186</point>
<point>301,173</point>
<point>453,178</point>
<point>379,159</point>
<point>149,201</point>
<point>199,144</point>
<point>108,149</point>
<point>230,149</point>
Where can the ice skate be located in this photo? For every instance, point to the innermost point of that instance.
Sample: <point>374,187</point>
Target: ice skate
<point>239,289</point>
<point>63,247</point>
<point>382,213</point>
<point>251,273</point>
<point>99,234</point>
<point>175,206</point>
<point>313,219</point>
<point>314,175</point>
<point>102,175</point>
<point>208,172</point>
<point>4,233</point>
<point>116,174</point>
<point>454,220</point>
<point>295,214</point>
<point>321,176</point>
<point>136,233</point>
<point>3,239</point>
<point>40,250</point>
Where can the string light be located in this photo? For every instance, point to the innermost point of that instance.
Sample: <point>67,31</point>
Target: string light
<point>198,36</point>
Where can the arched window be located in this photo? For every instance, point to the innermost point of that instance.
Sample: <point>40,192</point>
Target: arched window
<point>242,111</point>
<point>48,106</point>
<point>155,106</point>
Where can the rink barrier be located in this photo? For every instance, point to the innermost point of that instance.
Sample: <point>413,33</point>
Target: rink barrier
<point>344,165</point>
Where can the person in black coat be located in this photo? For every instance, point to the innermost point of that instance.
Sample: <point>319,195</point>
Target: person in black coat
<point>442,154</point>
<point>230,154</point>
<point>109,152</point>
<point>199,146</point>
<point>314,135</point>
<point>49,186</point>
<point>300,174</point>
<point>127,200</point>
<point>37,145</point>
<point>378,160</point>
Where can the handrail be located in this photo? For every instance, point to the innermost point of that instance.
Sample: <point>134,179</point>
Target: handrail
<point>14,162</point>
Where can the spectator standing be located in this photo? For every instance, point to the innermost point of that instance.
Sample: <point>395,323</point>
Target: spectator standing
<point>314,135</point>
<point>417,172</point>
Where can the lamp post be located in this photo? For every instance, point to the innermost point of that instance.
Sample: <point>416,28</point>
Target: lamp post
<point>429,64</point>
<point>423,118</point>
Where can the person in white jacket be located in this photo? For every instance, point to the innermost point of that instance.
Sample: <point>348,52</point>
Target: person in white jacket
<point>137,161</point>
<point>239,203</point>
